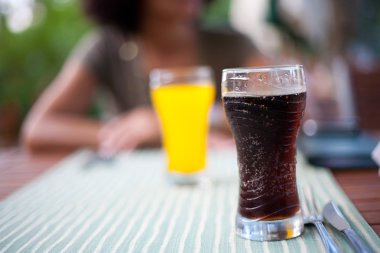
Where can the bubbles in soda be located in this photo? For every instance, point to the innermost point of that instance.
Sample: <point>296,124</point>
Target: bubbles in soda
<point>265,130</point>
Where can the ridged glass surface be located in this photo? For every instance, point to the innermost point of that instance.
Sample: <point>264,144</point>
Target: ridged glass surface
<point>265,130</point>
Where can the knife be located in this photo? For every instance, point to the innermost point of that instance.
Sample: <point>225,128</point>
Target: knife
<point>333,215</point>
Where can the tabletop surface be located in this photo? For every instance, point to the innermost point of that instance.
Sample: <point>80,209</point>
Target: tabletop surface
<point>17,169</point>
<point>127,205</point>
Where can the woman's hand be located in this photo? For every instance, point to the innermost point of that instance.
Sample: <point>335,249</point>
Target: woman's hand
<point>139,127</point>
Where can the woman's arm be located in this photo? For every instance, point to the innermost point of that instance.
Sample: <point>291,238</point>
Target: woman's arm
<point>57,120</point>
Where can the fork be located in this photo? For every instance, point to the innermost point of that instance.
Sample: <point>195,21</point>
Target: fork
<point>311,215</point>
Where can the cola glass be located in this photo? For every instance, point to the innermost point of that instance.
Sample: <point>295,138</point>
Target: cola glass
<point>264,107</point>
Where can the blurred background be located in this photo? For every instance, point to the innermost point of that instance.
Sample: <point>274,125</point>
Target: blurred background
<point>337,41</point>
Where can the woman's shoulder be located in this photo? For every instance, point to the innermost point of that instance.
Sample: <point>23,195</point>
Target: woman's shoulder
<point>228,43</point>
<point>98,41</point>
<point>109,36</point>
<point>223,34</point>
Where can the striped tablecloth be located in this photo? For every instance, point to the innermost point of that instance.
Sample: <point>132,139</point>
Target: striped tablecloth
<point>128,206</point>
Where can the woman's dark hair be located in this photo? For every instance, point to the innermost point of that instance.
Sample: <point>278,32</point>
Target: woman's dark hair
<point>122,14</point>
<point>125,15</point>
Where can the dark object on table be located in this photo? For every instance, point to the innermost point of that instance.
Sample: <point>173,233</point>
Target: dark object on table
<point>338,148</point>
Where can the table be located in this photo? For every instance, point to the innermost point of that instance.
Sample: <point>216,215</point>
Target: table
<point>17,168</point>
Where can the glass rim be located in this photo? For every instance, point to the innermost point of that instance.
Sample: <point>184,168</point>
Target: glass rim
<point>263,68</point>
<point>201,84</point>
<point>182,69</point>
<point>188,75</point>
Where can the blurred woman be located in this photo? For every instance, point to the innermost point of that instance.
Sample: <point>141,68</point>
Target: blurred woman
<point>132,38</point>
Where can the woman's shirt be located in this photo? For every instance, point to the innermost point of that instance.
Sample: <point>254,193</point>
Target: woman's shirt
<point>116,62</point>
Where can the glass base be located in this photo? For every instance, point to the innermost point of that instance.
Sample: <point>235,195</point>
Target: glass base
<point>179,178</point>
<point>269,230</point>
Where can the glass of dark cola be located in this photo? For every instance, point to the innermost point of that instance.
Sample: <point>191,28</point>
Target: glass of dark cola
<point>264,107</point>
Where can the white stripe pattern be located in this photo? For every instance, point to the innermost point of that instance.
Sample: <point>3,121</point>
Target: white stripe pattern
<point>119,208</point>
<point>173,220</point>
<point>105,221</point>
<point>78,220</point>
<point>247,246</point>
<point>302,245</point>
<point>143,205</point>
<point>161,219</point>
<point>285,247</point>
<point>88,222</point>
<point>131,206</point>
<point>232,218</point>
<point>47,224</point>
<point>67,220</point>
<point>204,211</point>
<point>36,191</point>
<point>24,230</point>
<point>20,214</point>
<point>218,217</point>
<point>266,247</point>
<point>54,195</point>
<point>26,219</point>
<point>16,211</point>
<point>192,209</point>
<point>148,220</point>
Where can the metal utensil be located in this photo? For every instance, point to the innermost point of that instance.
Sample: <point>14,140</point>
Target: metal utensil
<point>312,216</point>
<point>96,158</point>
<point>334,216</point>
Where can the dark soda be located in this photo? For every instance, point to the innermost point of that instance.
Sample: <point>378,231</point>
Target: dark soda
<point>265,130</point>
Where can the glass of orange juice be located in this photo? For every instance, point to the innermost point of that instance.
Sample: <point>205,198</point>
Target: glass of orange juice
<point>182,98</point>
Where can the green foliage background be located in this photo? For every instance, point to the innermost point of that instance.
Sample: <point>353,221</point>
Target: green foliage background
<point>30,59</point>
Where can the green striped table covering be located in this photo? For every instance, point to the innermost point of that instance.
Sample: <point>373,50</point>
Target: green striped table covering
<point>128,206</point>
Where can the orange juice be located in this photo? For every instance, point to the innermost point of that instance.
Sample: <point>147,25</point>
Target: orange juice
<point>183,112</point>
